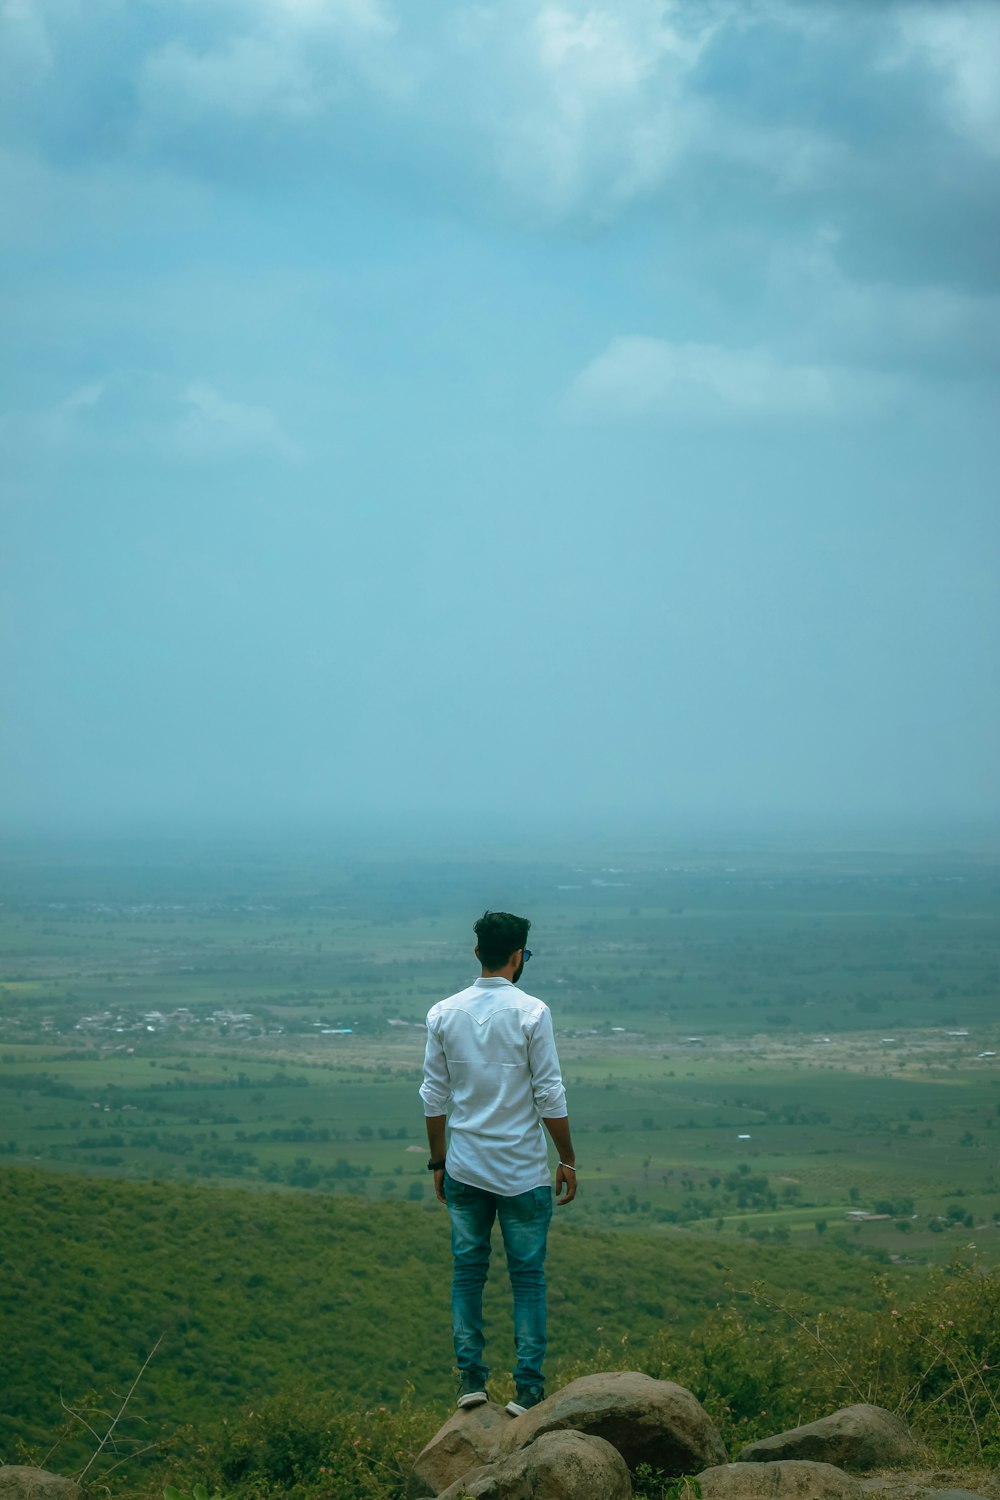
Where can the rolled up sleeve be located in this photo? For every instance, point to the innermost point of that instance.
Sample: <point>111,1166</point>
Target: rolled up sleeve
<point>435,1090</point>
<point>546,1077</point>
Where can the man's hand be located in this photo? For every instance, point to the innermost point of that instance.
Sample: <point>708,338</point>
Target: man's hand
<point>439,1185</point>
<point>565,1184</point>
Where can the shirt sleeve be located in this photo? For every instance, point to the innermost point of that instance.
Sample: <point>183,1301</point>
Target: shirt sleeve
<point>435,1090</point>
<point>546,1077</point>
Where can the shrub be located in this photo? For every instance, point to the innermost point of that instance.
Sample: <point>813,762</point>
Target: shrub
<point>297,1442</point>
<point>759,1366</point>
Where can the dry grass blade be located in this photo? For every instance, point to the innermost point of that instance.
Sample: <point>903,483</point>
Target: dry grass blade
<point>103,1442</point>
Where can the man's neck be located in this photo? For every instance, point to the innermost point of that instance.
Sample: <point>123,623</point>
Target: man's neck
<point>507,972</point>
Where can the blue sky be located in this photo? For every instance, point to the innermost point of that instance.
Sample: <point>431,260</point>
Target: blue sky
<point>583,410</point>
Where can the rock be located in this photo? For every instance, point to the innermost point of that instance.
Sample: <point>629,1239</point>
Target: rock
<point>469,1439</point>
<point>858,1437</point>
<point>648,1421</point>
<point>558,1466</point>
<point>21,1482</point>
<point>789,1479</point>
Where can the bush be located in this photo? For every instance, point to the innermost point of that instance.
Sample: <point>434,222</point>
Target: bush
<point>759,1366</point>
<point>296,1442</point>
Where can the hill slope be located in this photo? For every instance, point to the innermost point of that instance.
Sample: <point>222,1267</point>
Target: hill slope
<point>253,1291</point>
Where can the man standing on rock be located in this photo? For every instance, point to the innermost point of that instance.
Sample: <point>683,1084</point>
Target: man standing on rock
<point>491,1054</point>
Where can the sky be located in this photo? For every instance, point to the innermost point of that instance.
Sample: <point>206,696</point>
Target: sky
<point>530,410</point>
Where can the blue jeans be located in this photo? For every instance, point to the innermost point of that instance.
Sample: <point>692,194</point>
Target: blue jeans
<point>524,1224</point>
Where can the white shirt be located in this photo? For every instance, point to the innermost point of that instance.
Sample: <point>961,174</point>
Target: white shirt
<point>491,1054</point>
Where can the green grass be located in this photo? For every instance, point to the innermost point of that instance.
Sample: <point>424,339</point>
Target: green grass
<point>253,1290</point>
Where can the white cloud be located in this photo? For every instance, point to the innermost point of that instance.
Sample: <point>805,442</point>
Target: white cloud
<point>289,58</point>
<point>963,41</point>
<point>211,424</point>
<point>245,78</point>
<point>129,413</point>
<point>926,330</point>
<point>597,107</point>
<point>647,377</point>
<point>726,114</point>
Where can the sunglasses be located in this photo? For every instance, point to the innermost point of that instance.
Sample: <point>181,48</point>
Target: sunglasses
<point>525,954</point>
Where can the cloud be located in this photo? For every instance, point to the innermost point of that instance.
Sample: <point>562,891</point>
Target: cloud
<point>572,112</point>
<point>961,41</point>
<point>133,413</point>
<point>927,331</point>
<point>210,425</point>
<point>649,377</point>
<point>598,106</point>
<point>245,78</point>
<point>289,58</point>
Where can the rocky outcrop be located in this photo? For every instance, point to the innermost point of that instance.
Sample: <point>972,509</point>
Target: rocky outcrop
<point>648,1421</point>
<point>789,1479</point>
<point>21,1482</point>
<point>467,1440</point>
<point>556,1466</point>
<point>581,1443</point>
<point>857,1438</point>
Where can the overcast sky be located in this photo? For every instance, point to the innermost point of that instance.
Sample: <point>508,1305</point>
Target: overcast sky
<point>576,410</point>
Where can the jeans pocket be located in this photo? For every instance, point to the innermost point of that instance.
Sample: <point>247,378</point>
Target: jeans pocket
<point>534,1206</point>
<point>543,1202</point>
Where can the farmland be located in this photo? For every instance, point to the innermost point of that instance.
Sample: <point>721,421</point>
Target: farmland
<point>755,1043</point>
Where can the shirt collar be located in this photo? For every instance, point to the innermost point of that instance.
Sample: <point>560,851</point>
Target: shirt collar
<point>490,982</point>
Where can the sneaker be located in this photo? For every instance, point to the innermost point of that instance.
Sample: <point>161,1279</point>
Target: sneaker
<point>525,1398</point>
<point>471,1392</point>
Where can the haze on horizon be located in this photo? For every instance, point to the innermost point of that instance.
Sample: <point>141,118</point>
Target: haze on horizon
<point>540,408</point>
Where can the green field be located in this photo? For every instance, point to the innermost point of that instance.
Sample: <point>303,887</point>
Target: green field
<point>753,1043</point>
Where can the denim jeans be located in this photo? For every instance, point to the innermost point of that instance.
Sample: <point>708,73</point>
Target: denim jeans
<point>524,1224</point>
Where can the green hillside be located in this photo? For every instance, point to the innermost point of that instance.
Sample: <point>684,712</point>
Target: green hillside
<point>253,1291</point>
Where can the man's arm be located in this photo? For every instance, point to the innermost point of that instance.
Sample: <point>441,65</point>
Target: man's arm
<point>566,1171</point>
<point>435,1091</point>
<point>438,1149</point>
<point>550,1101</point>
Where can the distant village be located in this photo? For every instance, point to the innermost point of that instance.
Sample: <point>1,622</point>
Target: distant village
<point>110,1024</point>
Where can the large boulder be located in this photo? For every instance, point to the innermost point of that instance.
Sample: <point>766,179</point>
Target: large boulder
<point>858,1438</point>
<point>467,1440</point>
<point>558,1466</point>
<point>649,1421</point>
<point>789,1479</point>
<point>21,1482</point>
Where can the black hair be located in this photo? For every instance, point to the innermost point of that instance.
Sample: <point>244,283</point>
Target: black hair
<point>498,935</point>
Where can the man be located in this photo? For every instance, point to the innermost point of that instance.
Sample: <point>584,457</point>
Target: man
<point>491,1054</point>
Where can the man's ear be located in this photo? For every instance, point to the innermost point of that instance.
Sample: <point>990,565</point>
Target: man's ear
<point>476,952</point>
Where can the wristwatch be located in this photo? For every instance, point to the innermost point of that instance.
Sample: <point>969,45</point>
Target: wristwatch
<point>436,1166</point>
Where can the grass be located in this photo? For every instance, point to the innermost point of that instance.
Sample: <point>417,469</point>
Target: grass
<point>253,1291</point>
